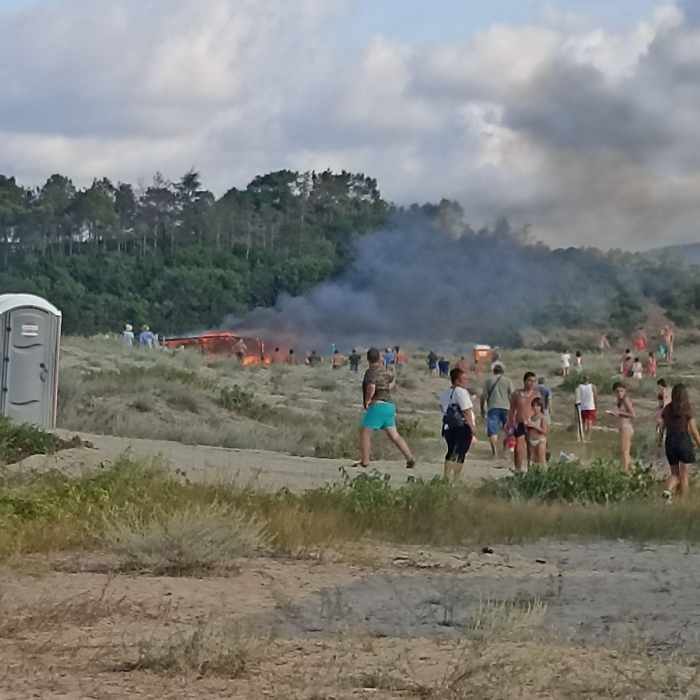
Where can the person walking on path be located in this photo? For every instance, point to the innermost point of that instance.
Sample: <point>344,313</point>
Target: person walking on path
<point>354,360</point>
<point>626,364</point>
<point>637,369</point>
<point>380,412</point>
<point>625,414</point>
<point>587,400</point>
<point>652,367</point>
<point>401,360</point>
<point>565,363</point>
<point>457,422</point>
<point>147,337</point>
<point>669,339</point>
<point>432,363</point>
<point>678,424</point>
<point>640,340</point>
<point>337,360</point>
<point>495,404</point>
<point>519,414</point>
<point>444,367</point>
<point>603,343</point>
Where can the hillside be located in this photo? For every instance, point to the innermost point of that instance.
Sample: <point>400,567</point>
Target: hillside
<point>174,256</point>
<point>689,252</point>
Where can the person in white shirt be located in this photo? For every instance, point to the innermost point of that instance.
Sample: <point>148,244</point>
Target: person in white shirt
<point>587,400</point>
<point>565,363</point>
<point>457,422</point>
<point>128,335</point>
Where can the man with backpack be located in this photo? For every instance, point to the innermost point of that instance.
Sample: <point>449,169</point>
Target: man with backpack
<point>457,422</point>
<point>495,404</point>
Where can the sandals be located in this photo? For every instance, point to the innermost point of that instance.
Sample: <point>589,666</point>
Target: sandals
<point>359,465</point>
<point>410,463</point>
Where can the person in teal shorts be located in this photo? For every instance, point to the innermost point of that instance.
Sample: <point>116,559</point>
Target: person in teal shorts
<point>380,412</point>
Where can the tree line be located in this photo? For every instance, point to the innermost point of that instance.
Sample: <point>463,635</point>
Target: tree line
<point>173,255</point>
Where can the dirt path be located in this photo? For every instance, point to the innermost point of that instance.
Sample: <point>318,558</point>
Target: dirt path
<point>338,627</point>
<point>265,469</point>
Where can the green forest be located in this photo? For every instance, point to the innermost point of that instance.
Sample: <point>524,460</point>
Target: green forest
<point>172,255</point>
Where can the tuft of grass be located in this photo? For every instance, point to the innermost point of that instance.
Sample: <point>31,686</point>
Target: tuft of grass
<point>497,621</point>
<point>212,649</point>
<point>47,614</point>
<point>195,539</point>
<point>601,482</point>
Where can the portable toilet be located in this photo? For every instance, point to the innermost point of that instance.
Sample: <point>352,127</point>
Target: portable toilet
<point>30,334</point>
<point>482,353</point>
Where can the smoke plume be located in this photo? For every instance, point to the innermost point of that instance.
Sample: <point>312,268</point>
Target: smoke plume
<point>418,284</point>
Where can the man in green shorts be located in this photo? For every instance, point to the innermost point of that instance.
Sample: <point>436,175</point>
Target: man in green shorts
<point>380,412</point>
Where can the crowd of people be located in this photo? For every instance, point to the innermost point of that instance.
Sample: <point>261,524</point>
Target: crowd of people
<point>522,417</point>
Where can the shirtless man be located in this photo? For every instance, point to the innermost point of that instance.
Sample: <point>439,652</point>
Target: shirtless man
<point>463,365</point>
<point>519,414</point>
<point>669,337</point>
<point>603,343</point>
<point>337,360</point>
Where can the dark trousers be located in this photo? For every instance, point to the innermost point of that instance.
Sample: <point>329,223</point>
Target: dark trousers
<point>458,440</point>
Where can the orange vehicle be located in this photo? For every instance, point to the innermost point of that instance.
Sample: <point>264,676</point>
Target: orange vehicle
<point>223,343</point>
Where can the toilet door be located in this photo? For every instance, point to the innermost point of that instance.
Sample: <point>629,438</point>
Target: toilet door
<point>28,377</point>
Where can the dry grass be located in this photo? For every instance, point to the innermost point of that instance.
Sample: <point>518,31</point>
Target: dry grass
<point>198,538</point>
<point>213,648</point>
<point>49,613</point>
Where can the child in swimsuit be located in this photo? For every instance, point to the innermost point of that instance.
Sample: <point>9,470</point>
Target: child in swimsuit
<point>537,430</point>
<point>625,415</point>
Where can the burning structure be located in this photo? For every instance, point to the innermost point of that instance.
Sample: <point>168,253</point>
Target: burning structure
<point>250,351</point>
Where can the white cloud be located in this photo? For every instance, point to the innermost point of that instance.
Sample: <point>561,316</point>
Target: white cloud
<point>588,135</point>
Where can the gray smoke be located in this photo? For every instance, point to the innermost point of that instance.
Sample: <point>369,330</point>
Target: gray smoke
<point>416,284</point>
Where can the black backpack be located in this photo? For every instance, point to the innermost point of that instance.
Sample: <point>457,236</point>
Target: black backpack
<point>453,418</point>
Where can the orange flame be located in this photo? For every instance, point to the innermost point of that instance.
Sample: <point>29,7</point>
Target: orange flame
<point>225,344</point>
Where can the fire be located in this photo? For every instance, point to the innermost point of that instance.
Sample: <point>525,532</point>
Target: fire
<point>225,343</point>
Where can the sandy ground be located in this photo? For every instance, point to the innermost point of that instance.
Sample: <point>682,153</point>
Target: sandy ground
<point>264,469</point>
<point>330,626</point>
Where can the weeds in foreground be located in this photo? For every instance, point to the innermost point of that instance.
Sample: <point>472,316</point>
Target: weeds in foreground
<point>20,441</point>
<point>211,649</point>
<point>53,512</point>
<point>198,538</point>
<point>601,482</point>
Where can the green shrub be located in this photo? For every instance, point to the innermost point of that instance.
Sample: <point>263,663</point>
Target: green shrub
<point>371,494</point>
<point>336,447</point>
<point>413,429</point>
<point>602,482</point>
<point>20,441</point>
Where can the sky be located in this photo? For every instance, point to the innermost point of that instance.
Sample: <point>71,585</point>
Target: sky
<point>575,117</point>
